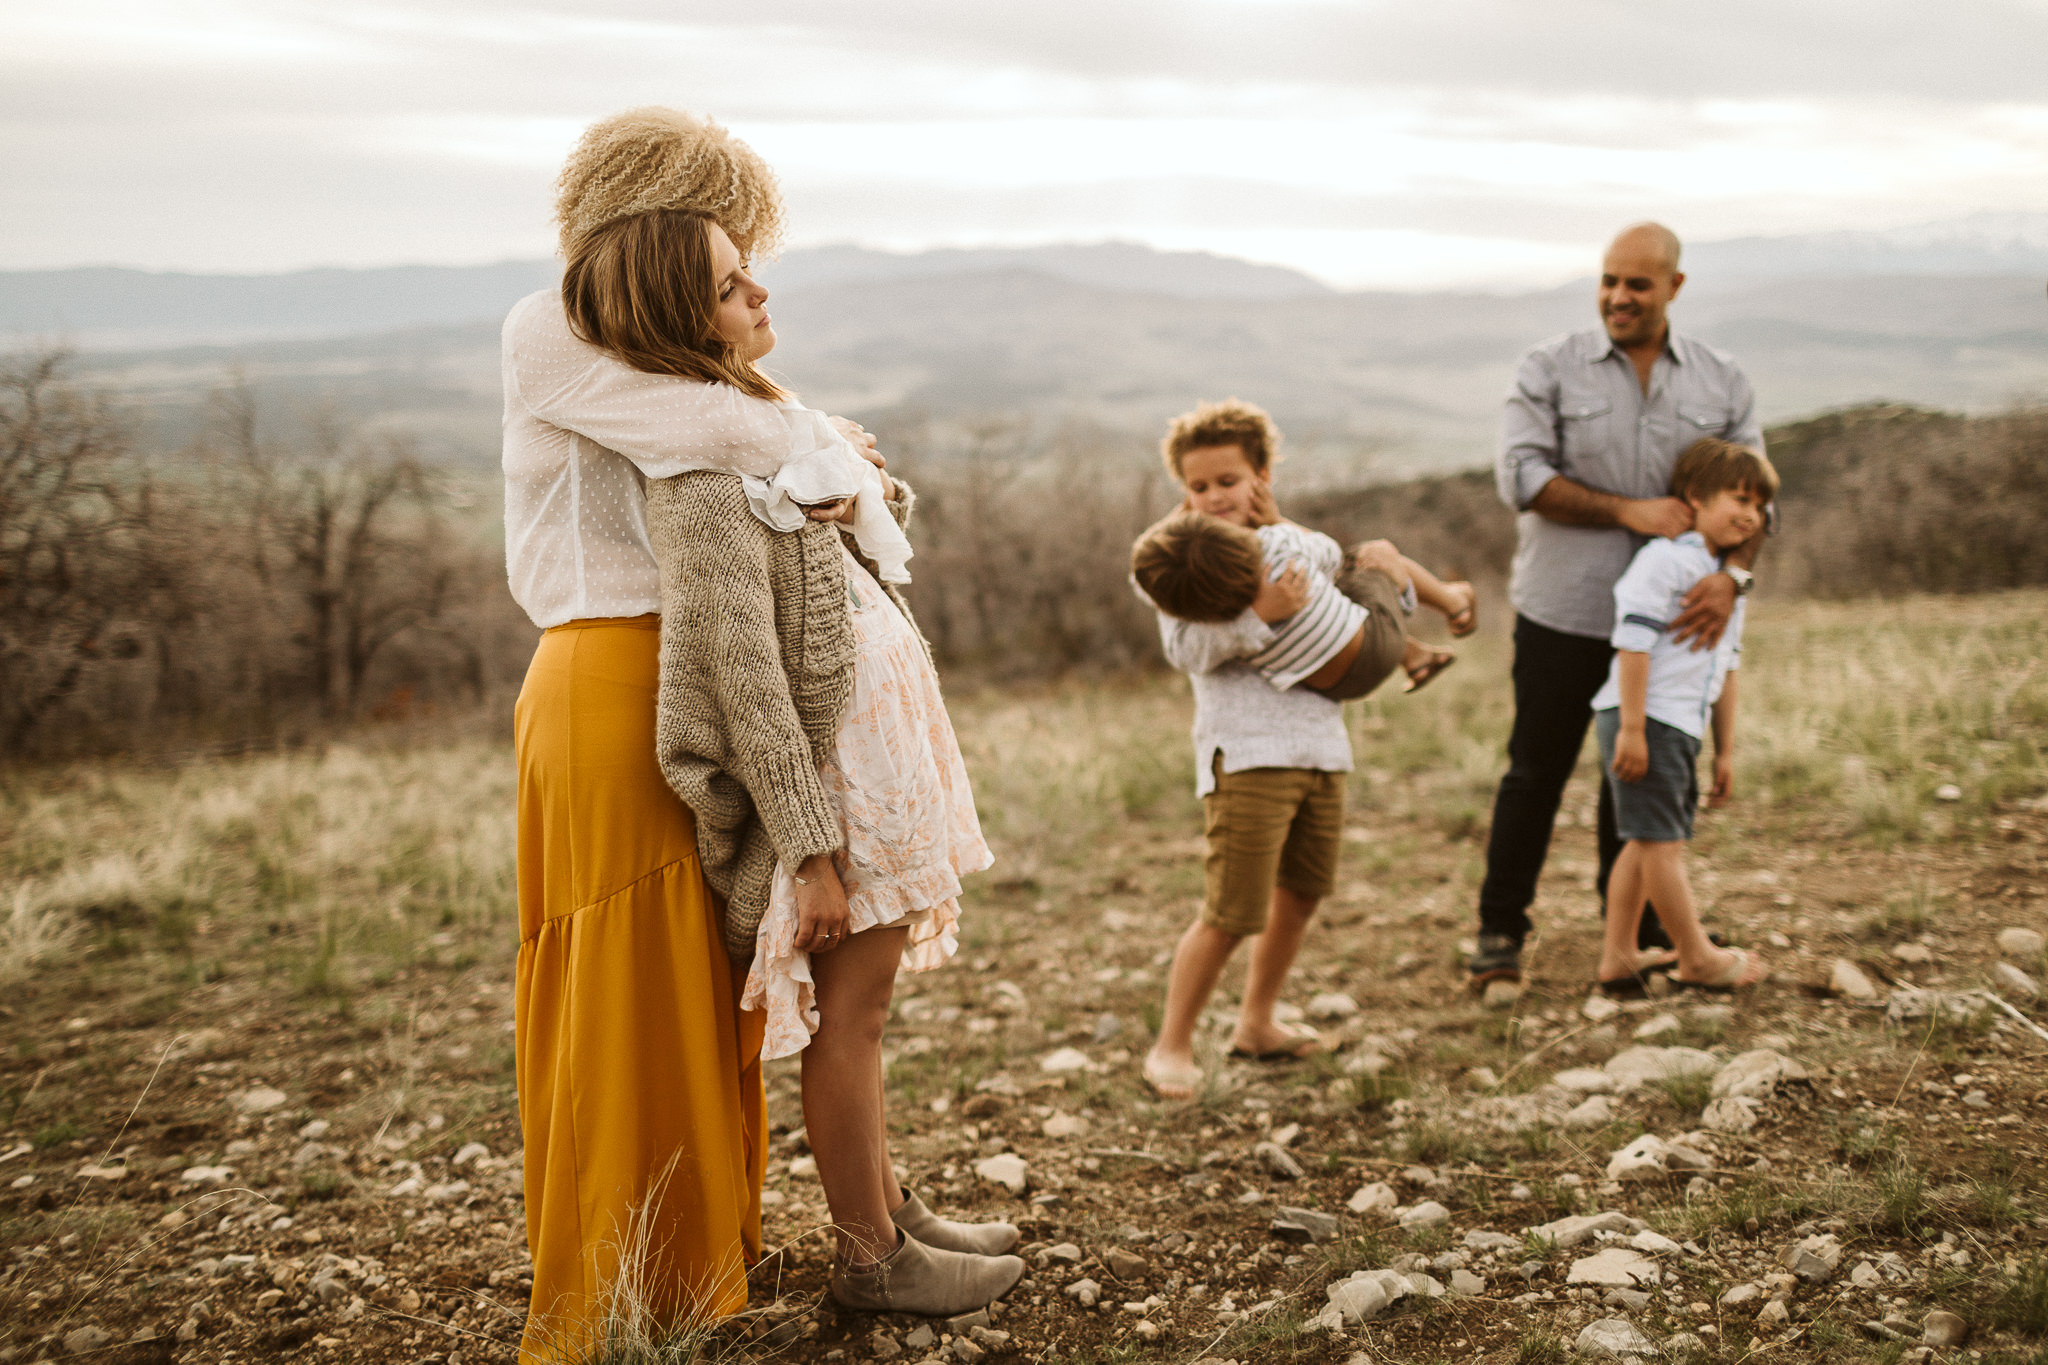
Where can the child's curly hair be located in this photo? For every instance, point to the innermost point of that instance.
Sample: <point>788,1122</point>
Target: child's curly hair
<point>1199,568</point>
<point>1232,422</point>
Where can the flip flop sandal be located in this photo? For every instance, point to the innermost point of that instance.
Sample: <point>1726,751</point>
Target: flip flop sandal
<point>1418,681</point>
<point>1733,979</point>
<point>1301,1045</point>
<point>1172,1082</point>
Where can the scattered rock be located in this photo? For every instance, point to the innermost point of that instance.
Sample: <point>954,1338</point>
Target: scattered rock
<point>2023,944</point>
<point>1614,1339</point>
<point>883,1346</point>
<point>1332,1005</point>
<point>207,1175</point>
<point>1634,1300</point>
<point>1064,1060</point>
<point>1643,1159</point>
<point>1813,1259</point>
<point>1739,1296</point>
<point>1107,1029</point>
<point>1730,1114</point>
<point>1367,1294</point>
<point>447,1192</point>
<point>1755,1074</point>
<point>1618,1267</point>
<point>1006,1169</point>
<point>1599,1008</point>
<point>1585,1080</point>
<point>1377,1198</point>
<point>1865,1276</point>
<point>79,1340</point>
<point>259,1100</point>
<point>468,1152</point>
<point>1655,1244</point>
<point>1685,1346</point>
<point>1302,1226</point>
<point>1942,1329</point>
<point>1638,1066</point>
<point>1657,1026</point>
<point>1948,791</point>
<point>1465,1284</point>
<point>1064,1126</point>
<point>1084,1292</point>
<point>2013,981</point>
<point>1578,1228</point>
<point>1123,1264</point>
<point>920,1337</point>
<point>1065,1253</point>
<point>1594,1111</point>
<point>1846,979</point>
<point>1477,1240</point>
<point>1277,1161</point>
<point>1913,954</point>
<point>1773,1316</point>
<point>1427,1214</point>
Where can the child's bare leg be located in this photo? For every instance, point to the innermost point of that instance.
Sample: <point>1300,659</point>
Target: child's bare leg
<point>1422,662</point>
<point>1198,962</point>
<point>1458,601</point>
<point>1665,885</point>
<point>1273,955</point>
<point>1619,956</point>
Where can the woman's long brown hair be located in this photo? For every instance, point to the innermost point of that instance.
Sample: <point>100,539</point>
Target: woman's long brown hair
<point>643,288</point>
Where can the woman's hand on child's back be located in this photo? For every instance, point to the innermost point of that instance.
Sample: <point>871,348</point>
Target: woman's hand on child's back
<point>821,913</point>
<point>1631,755</point>
<point>1280,598</point>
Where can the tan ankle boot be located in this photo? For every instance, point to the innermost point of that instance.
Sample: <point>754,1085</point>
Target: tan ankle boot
<point>915,1278</point>
<point>979,1239</point>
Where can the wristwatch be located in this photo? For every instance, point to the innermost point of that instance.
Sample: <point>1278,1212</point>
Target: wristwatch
<point>1744,580</point>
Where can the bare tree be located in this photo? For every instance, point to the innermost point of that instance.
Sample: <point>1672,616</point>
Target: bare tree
<point>75,567</point>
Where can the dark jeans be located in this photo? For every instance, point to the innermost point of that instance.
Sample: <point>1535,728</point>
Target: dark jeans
<point>1555,676</point>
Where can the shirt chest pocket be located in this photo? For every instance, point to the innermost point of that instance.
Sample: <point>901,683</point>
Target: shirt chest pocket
<point>1584,435</point>
<point>1697,420</point>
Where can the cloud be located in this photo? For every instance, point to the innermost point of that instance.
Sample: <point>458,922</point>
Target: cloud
<point>235,134</point>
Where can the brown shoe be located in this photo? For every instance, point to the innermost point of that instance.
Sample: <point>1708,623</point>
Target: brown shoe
<point>943,1234</point>
<point>915,1278</point>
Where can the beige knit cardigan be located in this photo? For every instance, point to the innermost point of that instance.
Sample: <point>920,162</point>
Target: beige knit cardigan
<point>756,668</point>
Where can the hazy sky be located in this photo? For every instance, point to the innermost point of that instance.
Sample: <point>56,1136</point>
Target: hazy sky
<point>1411,144</point>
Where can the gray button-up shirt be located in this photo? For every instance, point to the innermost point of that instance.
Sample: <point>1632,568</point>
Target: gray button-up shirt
<point>1578,410</point>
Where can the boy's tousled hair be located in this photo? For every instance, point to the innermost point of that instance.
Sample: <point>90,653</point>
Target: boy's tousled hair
<point>1232,422</point>
<point>1711,464</point>
<point>1199,568</point>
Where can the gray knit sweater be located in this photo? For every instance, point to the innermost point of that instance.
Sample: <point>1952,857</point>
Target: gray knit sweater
<point>756,668</point>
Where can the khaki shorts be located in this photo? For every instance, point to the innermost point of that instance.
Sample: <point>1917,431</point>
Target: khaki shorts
<point>1386,638</point>
<point>1268,827</point>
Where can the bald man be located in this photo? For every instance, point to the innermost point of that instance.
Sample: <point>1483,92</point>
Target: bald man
<point>1593,425</point>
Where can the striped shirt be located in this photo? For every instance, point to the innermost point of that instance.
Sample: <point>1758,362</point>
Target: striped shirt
<point>1313,636</point>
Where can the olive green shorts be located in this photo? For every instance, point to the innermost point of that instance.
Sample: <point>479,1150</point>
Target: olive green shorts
<point>1268,827</point>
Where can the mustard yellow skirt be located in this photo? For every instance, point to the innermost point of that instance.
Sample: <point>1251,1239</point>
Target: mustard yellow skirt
<point>639,1078</point>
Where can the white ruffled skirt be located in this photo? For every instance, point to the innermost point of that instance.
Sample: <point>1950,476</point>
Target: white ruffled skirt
<point>897,782</point>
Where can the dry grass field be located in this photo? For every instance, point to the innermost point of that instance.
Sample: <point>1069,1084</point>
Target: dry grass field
<point>256,1095</point>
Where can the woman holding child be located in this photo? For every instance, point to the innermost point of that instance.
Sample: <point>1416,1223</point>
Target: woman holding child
<point>737,780</point>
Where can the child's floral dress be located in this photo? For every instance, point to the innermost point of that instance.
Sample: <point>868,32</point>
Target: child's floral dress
<point>896,780</point>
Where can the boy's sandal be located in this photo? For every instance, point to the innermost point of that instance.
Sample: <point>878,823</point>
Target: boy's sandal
<point>1171,1082</point>
<point>1422,677</point>
<point>1300,1043</point>
<point>1746,970</point>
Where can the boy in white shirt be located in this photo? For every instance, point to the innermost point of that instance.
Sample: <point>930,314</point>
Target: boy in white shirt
<point>1660,699</point>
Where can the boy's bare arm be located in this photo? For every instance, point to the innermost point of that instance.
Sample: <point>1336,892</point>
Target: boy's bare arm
<point>1632,745</point>
<point>1724,742</point>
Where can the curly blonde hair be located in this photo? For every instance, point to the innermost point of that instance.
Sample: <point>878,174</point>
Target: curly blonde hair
<point>636,201</point>
<point>654,158</point>
<point>1232,422</point>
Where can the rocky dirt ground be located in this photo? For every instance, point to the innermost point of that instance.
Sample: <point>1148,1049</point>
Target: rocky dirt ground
<point>1846,1164</point>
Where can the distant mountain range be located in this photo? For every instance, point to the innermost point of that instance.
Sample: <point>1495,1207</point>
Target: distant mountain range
<point>1113,335</point>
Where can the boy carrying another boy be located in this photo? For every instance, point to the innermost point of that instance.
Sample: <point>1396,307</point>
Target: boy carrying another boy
<point>1272,648</point>
<point>1661,697</point>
